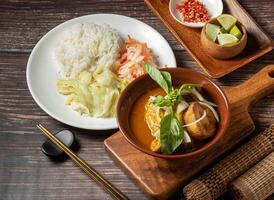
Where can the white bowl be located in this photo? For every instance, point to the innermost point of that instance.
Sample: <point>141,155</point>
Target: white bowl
<point>214,8</point>
<point>42,68</point>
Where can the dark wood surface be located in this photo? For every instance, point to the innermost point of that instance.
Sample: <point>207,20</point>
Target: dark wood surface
<point>25,173</point>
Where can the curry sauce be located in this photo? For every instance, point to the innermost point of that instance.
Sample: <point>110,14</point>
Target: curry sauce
<point>137,119</point>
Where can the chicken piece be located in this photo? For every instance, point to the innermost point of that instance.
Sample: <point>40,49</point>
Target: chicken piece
<point>179,116</point>
<point>203,129</point>
<point>153,116</point>
<point>155,145</point>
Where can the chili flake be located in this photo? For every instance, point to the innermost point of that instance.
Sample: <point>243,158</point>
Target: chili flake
<point>193,11</point>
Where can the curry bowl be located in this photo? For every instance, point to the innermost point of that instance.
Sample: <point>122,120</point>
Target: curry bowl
<point>132,95</point>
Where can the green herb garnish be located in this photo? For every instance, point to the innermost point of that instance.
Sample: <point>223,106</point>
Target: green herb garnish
<point>171,134</point>
<point>160,77</point>
<point>171,131</point>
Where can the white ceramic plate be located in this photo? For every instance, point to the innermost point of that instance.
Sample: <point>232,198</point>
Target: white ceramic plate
<point>42,68</point>
<point>214,8</point>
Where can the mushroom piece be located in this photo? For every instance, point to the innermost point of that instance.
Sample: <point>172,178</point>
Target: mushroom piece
<point>205,125</point>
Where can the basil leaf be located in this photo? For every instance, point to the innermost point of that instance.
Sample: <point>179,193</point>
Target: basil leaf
<point>167,77</point>
<point>187,87</point>
<point>174,95</point>
<point>171,134</point>
<point>157,76</point>
<point>162,101</point>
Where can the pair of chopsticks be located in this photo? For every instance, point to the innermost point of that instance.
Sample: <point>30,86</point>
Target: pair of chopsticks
<point>92,173</point>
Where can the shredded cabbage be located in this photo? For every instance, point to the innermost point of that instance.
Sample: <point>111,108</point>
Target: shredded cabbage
<point>92,94</point>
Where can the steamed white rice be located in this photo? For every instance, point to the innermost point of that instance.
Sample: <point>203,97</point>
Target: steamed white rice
<point>88,47</point>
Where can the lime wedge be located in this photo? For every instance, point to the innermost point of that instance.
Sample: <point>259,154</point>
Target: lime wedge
<point>222,30</point>
<point>236,32</point>
<point>212,31</point>
<point>227,21</point>
<point>224,39</point>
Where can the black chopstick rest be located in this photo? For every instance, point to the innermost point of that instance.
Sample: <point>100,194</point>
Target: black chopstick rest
<point>51,150</point>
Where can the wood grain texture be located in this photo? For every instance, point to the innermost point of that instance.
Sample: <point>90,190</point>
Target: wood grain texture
<point>161,177</point>
<point>25,173</point>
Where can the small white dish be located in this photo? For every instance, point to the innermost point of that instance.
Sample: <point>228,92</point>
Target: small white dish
<point>214,8</point>
<point>42,68</point>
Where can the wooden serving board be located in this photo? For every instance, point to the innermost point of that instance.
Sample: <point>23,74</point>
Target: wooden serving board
<point>159,178</point>
<point>258,43</point>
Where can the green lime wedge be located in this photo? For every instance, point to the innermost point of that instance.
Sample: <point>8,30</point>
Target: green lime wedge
<point>224,39</point>
<point>227,21</point>
<point>222,30</point>
<point>212,31</point>
<point>236,32</point>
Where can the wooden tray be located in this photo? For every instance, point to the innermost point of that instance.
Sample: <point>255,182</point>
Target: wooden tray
<point>161,177</point>
<point>258,44</point>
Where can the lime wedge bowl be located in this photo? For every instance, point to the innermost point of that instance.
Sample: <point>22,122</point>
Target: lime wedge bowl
<point>223,41</point>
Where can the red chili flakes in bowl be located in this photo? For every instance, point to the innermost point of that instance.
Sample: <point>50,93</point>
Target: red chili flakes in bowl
<point>193,11</point>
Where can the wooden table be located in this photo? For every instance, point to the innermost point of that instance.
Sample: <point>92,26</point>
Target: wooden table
<point>25,173</point>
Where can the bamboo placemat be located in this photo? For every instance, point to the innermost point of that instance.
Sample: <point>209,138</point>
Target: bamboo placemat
<point>257,183</point>
<point>213,183</point>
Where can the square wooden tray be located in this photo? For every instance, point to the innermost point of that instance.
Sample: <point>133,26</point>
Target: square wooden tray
<point>258,44</point>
